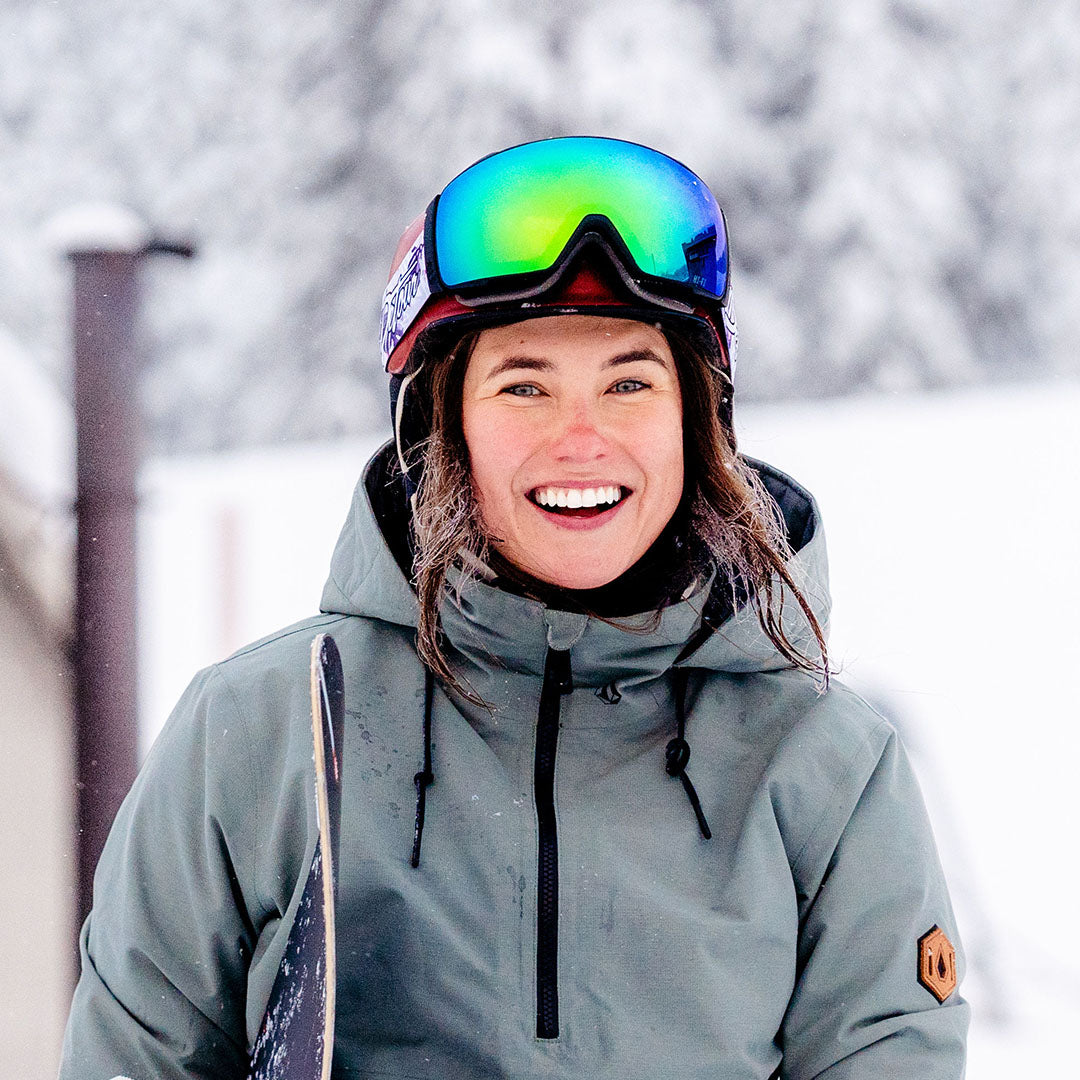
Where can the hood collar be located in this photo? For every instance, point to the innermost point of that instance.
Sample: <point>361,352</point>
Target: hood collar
<point>495,628</point>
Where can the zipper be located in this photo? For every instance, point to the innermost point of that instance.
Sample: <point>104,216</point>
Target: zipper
<point>557,681</point>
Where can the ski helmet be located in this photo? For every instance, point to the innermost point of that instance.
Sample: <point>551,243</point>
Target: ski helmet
<point>576,225</point>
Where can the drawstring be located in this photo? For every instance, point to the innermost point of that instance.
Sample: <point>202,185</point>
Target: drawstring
<point>426,776</point>
<point>677,754</point>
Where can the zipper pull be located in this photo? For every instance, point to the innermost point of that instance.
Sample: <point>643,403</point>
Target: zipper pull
<point>558,670</point>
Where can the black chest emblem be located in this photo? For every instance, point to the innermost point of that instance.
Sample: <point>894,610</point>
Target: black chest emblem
<point>609,694</point>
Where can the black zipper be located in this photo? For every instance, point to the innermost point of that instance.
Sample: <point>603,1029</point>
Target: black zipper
<point>557,681</point>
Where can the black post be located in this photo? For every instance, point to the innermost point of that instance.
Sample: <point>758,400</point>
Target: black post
<point>106,723</point>
<point>107,425</point>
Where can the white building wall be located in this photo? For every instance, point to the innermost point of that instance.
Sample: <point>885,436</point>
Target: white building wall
<point>37,960</point>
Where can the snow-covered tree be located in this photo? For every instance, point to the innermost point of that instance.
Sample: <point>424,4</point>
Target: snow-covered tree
<point>897,176</point>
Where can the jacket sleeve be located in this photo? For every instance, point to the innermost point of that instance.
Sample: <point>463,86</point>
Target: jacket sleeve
<point>870,888</point>
<point>166,949</point>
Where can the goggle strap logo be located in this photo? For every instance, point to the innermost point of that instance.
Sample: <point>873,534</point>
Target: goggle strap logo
<point>406,293</point>
<point>731,332</point>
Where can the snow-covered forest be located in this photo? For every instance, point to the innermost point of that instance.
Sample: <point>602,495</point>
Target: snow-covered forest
<point>898,175</point>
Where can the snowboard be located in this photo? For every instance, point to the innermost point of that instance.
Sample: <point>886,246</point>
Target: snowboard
<point>296,1040</point>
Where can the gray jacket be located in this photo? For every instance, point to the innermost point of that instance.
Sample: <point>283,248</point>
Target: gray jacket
<point>568,918</point>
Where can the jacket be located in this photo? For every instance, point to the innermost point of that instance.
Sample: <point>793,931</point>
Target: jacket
<point>568,918</point>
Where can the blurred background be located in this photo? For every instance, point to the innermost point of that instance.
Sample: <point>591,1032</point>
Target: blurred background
<point>900,180</point>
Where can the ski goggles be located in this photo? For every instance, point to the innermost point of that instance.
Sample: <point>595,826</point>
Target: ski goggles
<point>505,229</point>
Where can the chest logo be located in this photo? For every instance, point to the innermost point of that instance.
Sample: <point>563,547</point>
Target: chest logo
<point>937,963</point>
<point>609,694</point>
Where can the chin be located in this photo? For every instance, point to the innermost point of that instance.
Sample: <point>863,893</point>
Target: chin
<point>577,578</point>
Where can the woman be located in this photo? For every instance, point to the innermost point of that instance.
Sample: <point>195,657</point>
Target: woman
<point>557,579</point>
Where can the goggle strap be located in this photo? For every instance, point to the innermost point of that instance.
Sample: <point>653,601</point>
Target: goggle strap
<point>408,290</point>
<point>731,332</point>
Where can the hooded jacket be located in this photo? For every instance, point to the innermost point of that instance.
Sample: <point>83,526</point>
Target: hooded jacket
<point>568,918</point>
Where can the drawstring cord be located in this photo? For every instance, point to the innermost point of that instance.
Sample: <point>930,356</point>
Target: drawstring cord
<point>677,754</point>
<point>676,758</point>
<point>425,777</point>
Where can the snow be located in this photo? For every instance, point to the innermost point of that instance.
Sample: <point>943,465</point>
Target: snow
<point>97,227</point>
<point>230,548</point>
<point>37,430</point>
<point>898,177</point>
<point>951,522</point>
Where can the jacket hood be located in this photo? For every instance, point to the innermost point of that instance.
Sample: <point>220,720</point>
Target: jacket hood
<point>493,627</point>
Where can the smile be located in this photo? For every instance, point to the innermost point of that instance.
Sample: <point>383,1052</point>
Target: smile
<point>578,502</point>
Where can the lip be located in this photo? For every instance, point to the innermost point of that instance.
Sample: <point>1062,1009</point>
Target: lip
<point>580,524</point>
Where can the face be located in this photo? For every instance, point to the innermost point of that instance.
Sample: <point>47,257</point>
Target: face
<point>574,430</point>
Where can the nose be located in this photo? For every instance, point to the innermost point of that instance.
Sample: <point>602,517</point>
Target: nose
<point>578,436</point>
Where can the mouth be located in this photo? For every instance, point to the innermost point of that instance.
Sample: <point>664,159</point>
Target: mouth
<point>567,502</point>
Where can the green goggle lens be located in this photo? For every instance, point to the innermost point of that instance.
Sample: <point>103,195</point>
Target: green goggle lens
<point>514,212</point>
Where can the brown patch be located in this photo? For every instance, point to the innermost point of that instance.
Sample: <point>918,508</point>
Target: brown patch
<point>937,963</point>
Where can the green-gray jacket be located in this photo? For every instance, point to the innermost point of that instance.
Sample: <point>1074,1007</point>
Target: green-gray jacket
<point>568,918</point>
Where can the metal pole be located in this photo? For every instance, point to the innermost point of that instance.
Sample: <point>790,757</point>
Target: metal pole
<point>106,260</point>
<point>106,721</point>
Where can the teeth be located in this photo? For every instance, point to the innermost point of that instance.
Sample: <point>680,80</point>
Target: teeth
<point>573,498</point>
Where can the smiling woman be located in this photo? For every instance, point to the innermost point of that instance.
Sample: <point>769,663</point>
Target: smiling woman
<point>573,426</point>
<point>558,576</point>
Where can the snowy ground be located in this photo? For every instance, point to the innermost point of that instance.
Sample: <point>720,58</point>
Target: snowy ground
<point>952,525</point>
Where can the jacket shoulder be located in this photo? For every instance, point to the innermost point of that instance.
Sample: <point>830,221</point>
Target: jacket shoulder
<point>813,754</point>
<point>289,640</point>
<point>285,647</point>
<point>827,759</point>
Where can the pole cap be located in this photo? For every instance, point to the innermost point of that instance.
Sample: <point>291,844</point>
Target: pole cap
<point>102,228</point>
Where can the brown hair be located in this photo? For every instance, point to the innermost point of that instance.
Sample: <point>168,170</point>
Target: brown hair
<point>734,523</point>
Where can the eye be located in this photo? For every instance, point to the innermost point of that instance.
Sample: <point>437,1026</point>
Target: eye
<point>629,386</point>
<point>521,390</point>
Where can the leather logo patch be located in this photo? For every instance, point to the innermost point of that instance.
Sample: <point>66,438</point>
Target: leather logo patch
<point>937,963</point>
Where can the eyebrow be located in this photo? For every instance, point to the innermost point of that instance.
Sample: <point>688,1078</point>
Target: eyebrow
<point>535,363</point>
<point>634,355</point>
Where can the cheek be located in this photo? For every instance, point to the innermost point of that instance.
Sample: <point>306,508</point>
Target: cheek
<point>664,459</point>
<point>497,447</point>
<point>674,476</point>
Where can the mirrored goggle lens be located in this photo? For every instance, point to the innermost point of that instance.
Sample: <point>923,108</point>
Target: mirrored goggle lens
<point>514,212</point>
